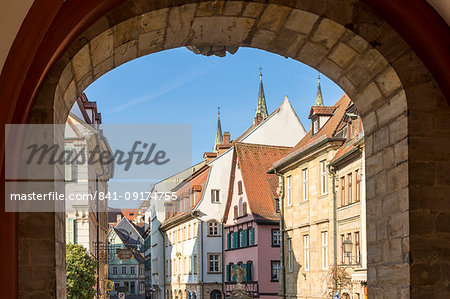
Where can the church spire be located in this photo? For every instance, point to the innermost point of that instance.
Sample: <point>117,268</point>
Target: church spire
<point>319,99</point>
<point>219,136</point>
<point>261,108</point>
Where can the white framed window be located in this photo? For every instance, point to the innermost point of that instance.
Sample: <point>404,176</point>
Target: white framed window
<point>175,266</point>
<point>358,185</point>
<point>213,228</point>
<point>213,262</point>
<point>114,270</point>
<point>132,270</point>
<point>124,270</point>
<point>289,190</point>
<point>324,250</point>
<point>306,252</point>
<point>194,264</point>
<point>315,126</point>
<point>305,184</point>
<point>350,191</point>
<point>323,177</point>
<point>357,248</point>
<point>215,195</point>
<point>342,191</point>
<point>290,256</point>
<point>275,237</point>
<point>275,273</point>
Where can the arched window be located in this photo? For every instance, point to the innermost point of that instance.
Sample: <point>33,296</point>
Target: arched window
<point>236,212</point>
<point>216,294</point>
<point>244,209</point>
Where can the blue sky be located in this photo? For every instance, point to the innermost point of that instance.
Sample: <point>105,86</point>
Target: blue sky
<point>180,87</point>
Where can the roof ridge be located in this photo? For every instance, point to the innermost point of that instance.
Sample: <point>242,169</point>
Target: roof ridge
<point>262,145</point>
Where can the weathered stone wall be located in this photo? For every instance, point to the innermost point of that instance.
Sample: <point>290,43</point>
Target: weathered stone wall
<point>406,118</point>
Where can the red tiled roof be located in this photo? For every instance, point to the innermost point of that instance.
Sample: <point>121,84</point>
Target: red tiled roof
<point>321,110</point>
<point>197,181</point>
<point>330,127</point>
<point>328,130</point>
<point>260,187</point>
<point>130,214</point>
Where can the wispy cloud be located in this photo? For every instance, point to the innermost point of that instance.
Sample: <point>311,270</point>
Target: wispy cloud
<point>164,89</point>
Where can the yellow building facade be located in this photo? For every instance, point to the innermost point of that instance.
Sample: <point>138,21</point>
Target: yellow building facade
<point>316,262</point>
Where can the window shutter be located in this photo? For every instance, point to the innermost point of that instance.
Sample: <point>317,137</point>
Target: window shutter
<point>245,238</point>
<point>228,272</point>
<point>249,271</point>
<point>233,277</point>
<point>228,240</point>
<point>251,235</point>
<point>244,266</point>
<point>236,240</point>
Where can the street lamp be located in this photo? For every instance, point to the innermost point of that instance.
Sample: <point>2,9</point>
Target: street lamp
<point>347,246</point>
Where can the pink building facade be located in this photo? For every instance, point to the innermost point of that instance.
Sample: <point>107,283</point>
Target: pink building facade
<point>251,221</point>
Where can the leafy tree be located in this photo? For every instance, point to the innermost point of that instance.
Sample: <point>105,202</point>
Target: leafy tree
<point>80,273</point>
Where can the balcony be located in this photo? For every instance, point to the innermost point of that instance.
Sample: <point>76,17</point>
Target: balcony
<point>252,288</point>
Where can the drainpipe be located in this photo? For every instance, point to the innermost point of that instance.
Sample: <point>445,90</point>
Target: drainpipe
<point>332,171</point>
<point>282,227</point>
<point>201,252</point>
<point>201,249</point>
<point>223,261</point>
<point>163,287</point>
<point>98,222</point>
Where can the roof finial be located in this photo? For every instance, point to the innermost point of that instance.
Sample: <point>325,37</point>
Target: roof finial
<point>261,108</point>
<point>319,98</point>
<point>219,136</point>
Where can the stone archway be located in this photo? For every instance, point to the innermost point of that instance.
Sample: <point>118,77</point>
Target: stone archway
<point>352,46</point>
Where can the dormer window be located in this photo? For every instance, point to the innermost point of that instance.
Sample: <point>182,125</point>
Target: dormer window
<point>315,126</point>
<point>350,130</point>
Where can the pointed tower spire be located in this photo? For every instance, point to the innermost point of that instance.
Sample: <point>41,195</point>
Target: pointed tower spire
<point>319,98</point>
<point>261,108</point>
<point>219,136</point>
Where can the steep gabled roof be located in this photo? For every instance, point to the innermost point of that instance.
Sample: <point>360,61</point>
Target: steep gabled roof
<point>260,187</point>
<point>322,110</point>
<point>328,130</point>
<point>330,127</point>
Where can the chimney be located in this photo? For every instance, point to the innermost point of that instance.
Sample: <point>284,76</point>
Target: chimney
<point>119,216</point>
<point>226,138</point>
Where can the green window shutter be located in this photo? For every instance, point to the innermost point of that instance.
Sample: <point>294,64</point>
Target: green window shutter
<point>228,240</point>
<point>249,271</point>
<point>245,238</point>
<point>244,266</point>
<point>233,277</point>
<point>228,272</point>
<point>251,236</point>
<point>236,240</point>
